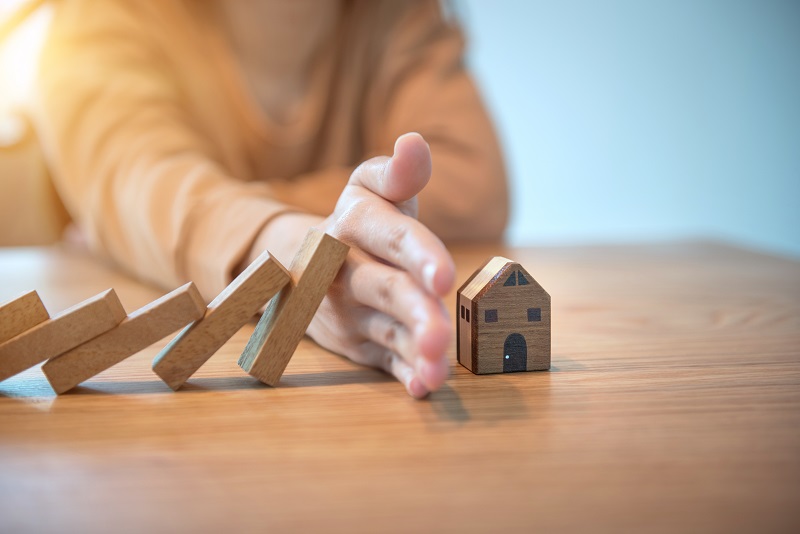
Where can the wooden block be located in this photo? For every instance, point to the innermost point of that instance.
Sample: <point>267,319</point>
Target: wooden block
<point>63,332</point>
<point>138,331</point>
<point>226,314</point>
<point>287,317</point>
<point>21,314</point>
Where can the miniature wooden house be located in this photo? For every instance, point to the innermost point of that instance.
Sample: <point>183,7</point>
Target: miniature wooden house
<point>503,320</point>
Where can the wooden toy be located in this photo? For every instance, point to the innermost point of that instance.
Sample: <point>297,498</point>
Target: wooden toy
<point>139,330</point>
<point>503,320</point>
<point>57,335</point>
<point>287,317</point>
<point>226,314</point>
<point>21,314</point>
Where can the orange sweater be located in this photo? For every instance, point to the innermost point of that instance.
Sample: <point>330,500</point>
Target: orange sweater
<point>171,149</point>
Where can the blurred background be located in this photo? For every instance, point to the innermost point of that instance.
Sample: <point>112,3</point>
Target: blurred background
<point>30,210</point>
<point>628,120</point>
<point>622,120</point>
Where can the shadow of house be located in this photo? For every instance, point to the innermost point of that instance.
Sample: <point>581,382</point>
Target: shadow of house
<point>503,320</point>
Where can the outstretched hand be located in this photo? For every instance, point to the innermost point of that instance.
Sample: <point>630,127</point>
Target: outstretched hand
<point>385,308</point>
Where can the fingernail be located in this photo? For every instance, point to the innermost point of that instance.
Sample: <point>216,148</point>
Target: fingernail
<point>428,275</point>
<point>416,389</point>
<point>396,143</point>
<point>412,383</point>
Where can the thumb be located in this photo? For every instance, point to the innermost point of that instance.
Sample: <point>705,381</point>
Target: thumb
<point>401,177</point>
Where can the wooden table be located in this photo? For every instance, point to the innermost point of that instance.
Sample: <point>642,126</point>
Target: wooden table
<point>673,404</point>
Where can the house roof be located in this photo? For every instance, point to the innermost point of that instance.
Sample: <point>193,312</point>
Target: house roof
<point>491,271</point>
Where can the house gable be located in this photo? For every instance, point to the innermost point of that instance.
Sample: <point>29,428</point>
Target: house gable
<point>484,277</point>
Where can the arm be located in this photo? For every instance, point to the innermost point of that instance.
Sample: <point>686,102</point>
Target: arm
<point>148,190</point>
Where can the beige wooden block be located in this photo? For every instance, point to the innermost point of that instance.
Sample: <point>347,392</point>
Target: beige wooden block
<point>138,331</point>
<point>62,333</point>
<point>226,314</point>
<point>287,317</point>
<point>21,314</point>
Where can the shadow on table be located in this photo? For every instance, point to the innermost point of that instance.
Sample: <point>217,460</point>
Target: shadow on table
<point>490,398</point>
<point>335,378</point>
<point>231,383</point>
<point>40,388</point>
<point>464,398</point>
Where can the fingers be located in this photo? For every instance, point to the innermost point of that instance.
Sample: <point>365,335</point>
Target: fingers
<point>376,213</point>
<point>386,332</point>
<point>385,308</point>
<point>380,230</point>
<point>375,355</point>
<point>393,292</point>
<point>375,339</point>
<point>399,178</point>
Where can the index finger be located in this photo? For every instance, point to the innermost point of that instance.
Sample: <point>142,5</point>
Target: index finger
<point>377,227</point>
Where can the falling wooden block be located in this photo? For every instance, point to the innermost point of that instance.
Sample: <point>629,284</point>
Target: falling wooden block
<point>226,314</point>
<point>21,314</point>
<point>138,331</point>
<point>287,317</point>
<point>60,334</point>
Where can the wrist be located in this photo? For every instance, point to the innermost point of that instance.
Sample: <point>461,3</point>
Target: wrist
<point>282,236</point>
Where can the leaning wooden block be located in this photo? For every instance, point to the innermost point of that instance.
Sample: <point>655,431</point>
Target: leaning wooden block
<point>63,332</point>
<point>21,314</point>
<point>287,317</point>
<point>226,314</point>
<point>138,331</point>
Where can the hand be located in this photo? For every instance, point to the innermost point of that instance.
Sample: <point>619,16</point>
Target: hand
<point>385,308</point>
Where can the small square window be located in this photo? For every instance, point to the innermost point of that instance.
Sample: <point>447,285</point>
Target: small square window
<point>467,314</point>
<point>491,316</point>
<point>534,314</point>
<point>462,312</point>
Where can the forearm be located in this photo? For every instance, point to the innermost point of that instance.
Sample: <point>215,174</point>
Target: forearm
<point>143,182</point>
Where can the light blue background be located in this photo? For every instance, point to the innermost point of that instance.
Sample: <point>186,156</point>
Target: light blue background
<point>643,120</point>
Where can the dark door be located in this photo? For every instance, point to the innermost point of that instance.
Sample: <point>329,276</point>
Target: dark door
<point>515,354</point>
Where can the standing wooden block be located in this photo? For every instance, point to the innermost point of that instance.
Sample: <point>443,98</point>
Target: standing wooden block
<point>285,321</point>
<point>226,314</point>
<point>138,331</point>
<point>63,332</point>
<point>21,314</point>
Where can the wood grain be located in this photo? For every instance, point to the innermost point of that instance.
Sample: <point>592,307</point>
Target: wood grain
<point>63,332</point>
<point>512,304</point>
<point>21,314</point>
<point>481,344</point>
<point>226,314</point>
<point>672,405</point>
<point>138,331</point>
<point>287,317</point>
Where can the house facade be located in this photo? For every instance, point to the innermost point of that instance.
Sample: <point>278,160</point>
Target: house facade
<point>503,320</point>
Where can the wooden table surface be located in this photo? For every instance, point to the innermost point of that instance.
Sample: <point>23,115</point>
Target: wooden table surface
<point>673,405</point>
